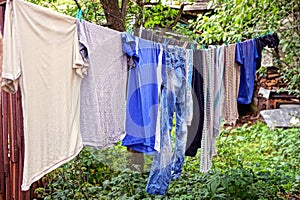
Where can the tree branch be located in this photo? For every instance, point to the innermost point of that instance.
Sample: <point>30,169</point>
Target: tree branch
<point>77,4</point>
<point>140,3</point>
<point>151,3</point>
<point>139,16</point>
<point>178,16</point>
<point>113,14</point>
<point>124,9</point>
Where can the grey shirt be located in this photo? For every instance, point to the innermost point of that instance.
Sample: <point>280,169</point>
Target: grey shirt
<point>103,90</point>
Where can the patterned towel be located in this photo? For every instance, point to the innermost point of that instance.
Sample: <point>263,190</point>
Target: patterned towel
<point>231,83</point>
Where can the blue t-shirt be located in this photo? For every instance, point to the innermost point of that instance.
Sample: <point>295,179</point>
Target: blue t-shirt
<point>142,93</point>
<point>246,55</point>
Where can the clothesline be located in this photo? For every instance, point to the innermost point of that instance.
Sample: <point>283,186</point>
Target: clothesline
<point>79,9</point>
<point>179,35</point>
<point>76,85</point>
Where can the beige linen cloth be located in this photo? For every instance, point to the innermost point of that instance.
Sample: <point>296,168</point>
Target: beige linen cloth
<point>41,54</point>
<point>232,83</point>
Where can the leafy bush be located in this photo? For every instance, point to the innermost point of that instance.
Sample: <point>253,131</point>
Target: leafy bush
<point>92,10</point>
<point>236,20</point>
<point>252,163</point>
<point>230,21</point>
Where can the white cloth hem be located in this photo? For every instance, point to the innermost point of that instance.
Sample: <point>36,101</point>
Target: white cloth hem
<point>26,187</point>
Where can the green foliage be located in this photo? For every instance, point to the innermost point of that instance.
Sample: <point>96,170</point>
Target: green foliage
<point>82,178</point>
<point>150,17</point>
<point>252,163</point>
<point>236,20</point>
<point>159,15</point>
<point>92,10</point>
<point>231,21</point>
<point>271,158</point>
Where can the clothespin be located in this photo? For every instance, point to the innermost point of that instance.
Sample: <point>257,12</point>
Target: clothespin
<point>226,43</point>
<point>130,30</point>
<point>166,41</point>
<point>192,46</point>
<point>79,14</point>
<point>203,46</point>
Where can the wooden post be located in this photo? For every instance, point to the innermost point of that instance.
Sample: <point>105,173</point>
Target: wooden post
<point>13,147</point>
<point>11,141</point>
<point>5,117</point>
<point>20,144</point>
<point>2,144</point>
<point>2,174</point>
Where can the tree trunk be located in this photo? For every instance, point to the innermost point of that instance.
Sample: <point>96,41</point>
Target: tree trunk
<point>114,17</point>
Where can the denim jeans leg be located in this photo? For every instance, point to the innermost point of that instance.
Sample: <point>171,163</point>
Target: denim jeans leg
<point>181,126</point>
<point>172,99</point>
<point>160,173</point>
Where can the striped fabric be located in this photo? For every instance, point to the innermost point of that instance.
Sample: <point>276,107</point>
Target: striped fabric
<point>231,83</point>
<point>218,94</point>
<point>213,75</point>
<point>208,63</point>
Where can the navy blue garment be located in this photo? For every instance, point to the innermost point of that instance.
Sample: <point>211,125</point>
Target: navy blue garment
<point>270,40</point>
<point>246,56</point>
<point>195,129</point>
<point>142,93</point>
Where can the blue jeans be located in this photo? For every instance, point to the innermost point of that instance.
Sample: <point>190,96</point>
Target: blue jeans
<point>166,166</point>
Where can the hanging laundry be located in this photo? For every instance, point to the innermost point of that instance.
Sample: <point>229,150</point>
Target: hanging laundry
<point>41,53</point>
<point>165,165</point>
<point>231,83</point>
<point>103,90</point>
<point>189,77</point>
<point>246,57</point>
<point>218,94</point>
<point>269,40</point>
<point>272,40</point>
<point>142,93</point>
<point>196,127</point>
<point>155,37</point>
<point>208,66</point>
<point>194,112</point>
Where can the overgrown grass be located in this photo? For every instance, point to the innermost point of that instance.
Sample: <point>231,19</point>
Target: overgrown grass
<point>252,163</point>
